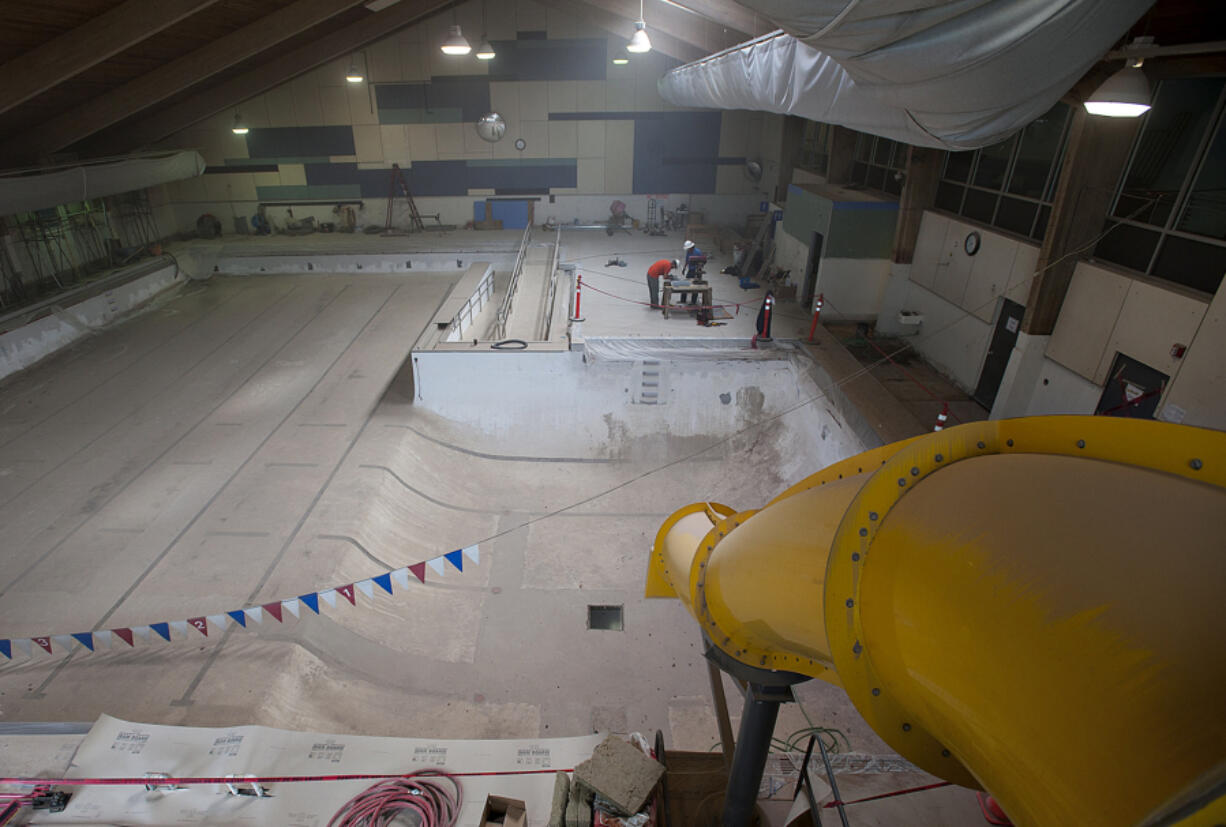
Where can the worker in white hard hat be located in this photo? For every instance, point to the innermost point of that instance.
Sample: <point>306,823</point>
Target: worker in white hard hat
<point>690,269</point>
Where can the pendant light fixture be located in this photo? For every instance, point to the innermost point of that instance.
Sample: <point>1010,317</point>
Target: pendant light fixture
<point>639,43</point>
<point>620,58</point>
<point>1125,94</point>
<point>354,74</point>
<point>456,43</point>
<point>240,126</point>
<point>486,50</point>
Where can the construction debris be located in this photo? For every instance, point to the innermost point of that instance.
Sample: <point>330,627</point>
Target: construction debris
<point>561,795</point>
<point>621,774</point>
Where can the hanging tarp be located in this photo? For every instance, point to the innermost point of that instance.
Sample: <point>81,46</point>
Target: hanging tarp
<point>952,75</point>
<point>25,192</point>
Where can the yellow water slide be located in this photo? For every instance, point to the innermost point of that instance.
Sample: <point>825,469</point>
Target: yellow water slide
<point>1036,607</point>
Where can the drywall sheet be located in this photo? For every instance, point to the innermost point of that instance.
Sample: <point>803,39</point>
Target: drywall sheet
<point>116,748</point>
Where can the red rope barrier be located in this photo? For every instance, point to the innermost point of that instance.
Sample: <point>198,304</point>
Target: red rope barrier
<point>239,780</point>
<point>907,791</point>
<point>737,305</point>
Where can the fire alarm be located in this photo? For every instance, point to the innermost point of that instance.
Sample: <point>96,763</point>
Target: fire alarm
<point>1178,350</point>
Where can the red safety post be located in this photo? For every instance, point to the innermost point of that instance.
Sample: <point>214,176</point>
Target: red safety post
<point>942,417</point>
<point>817,314</point>
<point>578,295</point>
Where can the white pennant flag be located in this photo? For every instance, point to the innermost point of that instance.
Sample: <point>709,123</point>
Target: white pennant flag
<point>473,553</point>
<point>366,587</point>
<point>401,576</point>
<point>102,638</point>
<point>65,641</point>
<point>179,626</point>
<point>24,644</point>
<point>254,614</point>
<point>328,596</point>
<point>437,565</point>
<point>143,632</point>
<point>219,621</point>
<point>291,606</point>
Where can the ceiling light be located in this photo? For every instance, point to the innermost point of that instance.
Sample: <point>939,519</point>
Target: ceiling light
<point>239,127</point>
<point>485,51</point>
<point>456,44</point>
<point>620,58</point>
<point>354,75</point>
<point>639,43</point>
<point>1123,95</point>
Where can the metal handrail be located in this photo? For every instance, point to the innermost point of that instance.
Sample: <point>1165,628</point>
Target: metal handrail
<point>504,311</point>
<point>547,308</point>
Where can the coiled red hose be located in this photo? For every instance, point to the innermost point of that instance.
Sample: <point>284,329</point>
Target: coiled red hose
<point>432,794</point>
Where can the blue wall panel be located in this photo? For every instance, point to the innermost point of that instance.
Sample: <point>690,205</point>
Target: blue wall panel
<point>676,152</point>
<point>569,59</point>
<point>300,141</point>
<point>450,177</point>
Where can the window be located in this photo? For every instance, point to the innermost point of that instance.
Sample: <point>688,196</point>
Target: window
<point>879,163</point>
<point>1169,215</point>
<point>1010,184</point>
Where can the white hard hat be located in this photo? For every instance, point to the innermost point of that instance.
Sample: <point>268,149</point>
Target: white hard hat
<point>688,244</point>
<point>676,264</point>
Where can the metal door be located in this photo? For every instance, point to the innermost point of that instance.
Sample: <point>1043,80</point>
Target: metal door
<point>1008,323</point>
<point>1133,389</point>
<point>815,260</point>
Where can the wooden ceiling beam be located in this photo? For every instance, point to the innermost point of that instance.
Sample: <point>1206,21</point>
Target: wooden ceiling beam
<point>86,46</point>
<point>188,71</point>
<point>730,15</point>
<point>266,76</point>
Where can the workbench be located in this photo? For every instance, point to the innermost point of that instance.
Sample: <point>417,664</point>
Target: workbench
<point>703,289</point>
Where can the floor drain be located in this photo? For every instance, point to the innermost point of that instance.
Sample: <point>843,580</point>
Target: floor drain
<point>608,618</point>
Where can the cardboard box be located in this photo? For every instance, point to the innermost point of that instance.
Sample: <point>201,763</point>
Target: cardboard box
<point>509,812</point>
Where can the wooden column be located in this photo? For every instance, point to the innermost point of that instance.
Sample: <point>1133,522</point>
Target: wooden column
<point>842,155</point>
<point>1097,151</point>
<point>790,147</point>
<point>919,193</point>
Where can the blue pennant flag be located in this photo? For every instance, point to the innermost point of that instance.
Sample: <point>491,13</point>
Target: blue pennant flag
<point>86,639</point>
<point>456,558</point>
<point>240,617</point>
<point>7,648</point>
<point>162,629</point>
<point>384,581</point>
<point>311,601</point>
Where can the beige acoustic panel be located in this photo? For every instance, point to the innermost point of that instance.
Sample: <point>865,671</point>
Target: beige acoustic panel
<point>536,133</point>
<point>563,95</point>
<point>383,61</point>
<point>334,100</point>
<point>361,103</point>
<point>590,176</point>
<point>563,139</point>
<point>280,103</point>
<point>591,140</point>
<point>307,108</point>
<point>395,140</point>
<point>504,99</point>
<point>534,100</point>
<point>1197,395</point>
<point>1023,274</point>
<point>952,277</point>
<point>292,175</point>
<point>450,137</point>
<point>1087,319</point>
<point>991,268</point>
<point>367,142</point>
<point>929,249</point>
<point>474,145</point>
<point>589,96</point>
<point>1154,319</point>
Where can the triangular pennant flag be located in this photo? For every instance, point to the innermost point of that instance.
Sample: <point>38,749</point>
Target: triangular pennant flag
<point>218,621</point>
<point>64,641</point>
<point>6,649</point>
<point>456,558</point>
<point>437,565</point>
<point>401,576</point>
<point>473,553</point>
<point>179,626</point>
<point>273,609</point>
<point>366,587</point>
<point>347,593</point>
<point>291,606</point>
<point>103,638</point>
<point>23,643</point>
<point>239,616</point>
<point>384,581</point>
<point>124,634</point>
<point>200,624</point>
<point>143,632</point>
<point>44,642</point>
<point>419,571</point>
<point>255,613</point>
<point>311,601</point>
<point>329,597</point>
<point>85,639</point>
<point>163,630</point>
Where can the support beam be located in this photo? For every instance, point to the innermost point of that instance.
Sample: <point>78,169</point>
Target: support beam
<point>730,15</point>
<point>1093,162</point>
<point>88,45</point>
<point>615,24</point>
<point>842,155</point>
<point>268,75</point>
<point>791,144</point>
<point>919,193</point>
<point>145,91</point>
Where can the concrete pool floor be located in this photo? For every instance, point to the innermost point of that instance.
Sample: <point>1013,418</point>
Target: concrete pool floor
<point>253,438</point>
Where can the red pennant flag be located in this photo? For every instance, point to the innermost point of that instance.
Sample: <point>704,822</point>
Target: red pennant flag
<point>44,642</point>
<point>347,591</point>
<point>125,635</point>
<point>419,571</point>
<point>273,609</point>
<point>200,624</point>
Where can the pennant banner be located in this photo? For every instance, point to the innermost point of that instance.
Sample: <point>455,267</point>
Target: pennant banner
<point>168,630</point>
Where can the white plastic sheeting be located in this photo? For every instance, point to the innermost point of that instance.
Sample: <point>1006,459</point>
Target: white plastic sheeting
<point>954,74</point>
<point>39,190</point>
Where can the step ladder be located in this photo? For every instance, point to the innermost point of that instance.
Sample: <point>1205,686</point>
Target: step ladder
<point>400,187</point>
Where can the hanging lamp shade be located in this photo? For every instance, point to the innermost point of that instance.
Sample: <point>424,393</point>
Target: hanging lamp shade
<point>354,74</point>
<point>639,42</point>
<point>240,126</point>
<point>456,43</point>
<point>486,50</point>
<point>1125,94</point>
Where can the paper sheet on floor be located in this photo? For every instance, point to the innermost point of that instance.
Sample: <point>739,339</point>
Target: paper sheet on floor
<point>116,748</point>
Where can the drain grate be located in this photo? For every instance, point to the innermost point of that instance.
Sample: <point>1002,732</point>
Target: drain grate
<point>608,618</point>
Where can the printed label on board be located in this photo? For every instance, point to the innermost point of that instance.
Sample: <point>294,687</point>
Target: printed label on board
<point>434,755</point>
<point>130,742</point>
<point>1011,325</point>
<point>329,751</point>
<point>226,746</point>
<point>534,756</point>
<point>1173,413</point>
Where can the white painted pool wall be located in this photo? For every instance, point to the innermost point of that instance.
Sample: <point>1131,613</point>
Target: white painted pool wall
<point>440,261</point>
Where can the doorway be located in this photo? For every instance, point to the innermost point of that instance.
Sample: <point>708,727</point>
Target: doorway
<point>815,260</point>
<point>1133,389</point>
<point>1008,323</point>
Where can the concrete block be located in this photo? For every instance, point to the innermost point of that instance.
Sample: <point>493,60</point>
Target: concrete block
<point>621,773</point>
<point>561,796</point>
<point>579,808</point>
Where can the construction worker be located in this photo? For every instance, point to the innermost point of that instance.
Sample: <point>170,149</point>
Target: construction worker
<point>693,258</point>
<point>661,268</point>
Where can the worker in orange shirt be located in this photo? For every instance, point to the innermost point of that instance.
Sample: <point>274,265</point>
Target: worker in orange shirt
<point>661,268</point>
